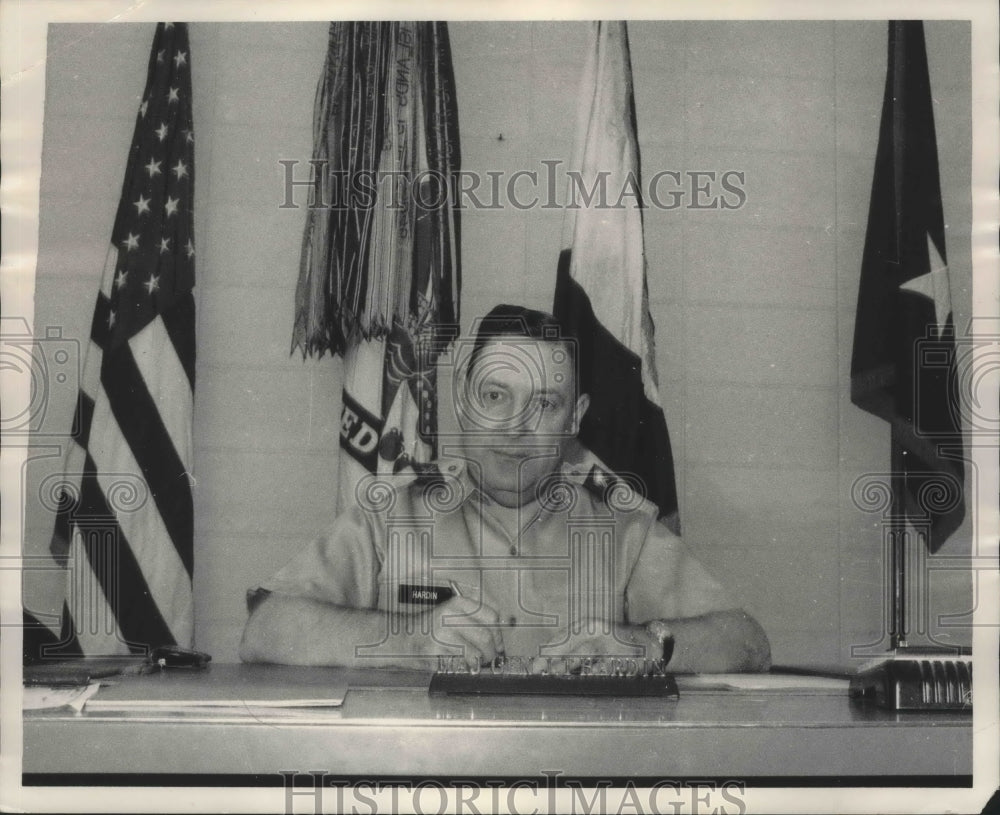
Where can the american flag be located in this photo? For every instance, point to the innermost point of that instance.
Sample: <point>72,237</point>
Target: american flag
<point>125,525</point>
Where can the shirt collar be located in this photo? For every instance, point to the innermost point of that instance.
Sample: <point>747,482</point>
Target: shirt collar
<point>573,469</point>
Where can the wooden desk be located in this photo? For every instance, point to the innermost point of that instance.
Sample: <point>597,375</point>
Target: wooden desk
<point>390,727</point>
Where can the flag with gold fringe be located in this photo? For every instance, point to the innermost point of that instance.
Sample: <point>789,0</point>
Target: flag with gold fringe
<point>380,270</point>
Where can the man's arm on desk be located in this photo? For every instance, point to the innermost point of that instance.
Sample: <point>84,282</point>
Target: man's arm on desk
<point>319,609</point>
<point>712,633</point>
<point>305,631</point>
<point>719,642</point>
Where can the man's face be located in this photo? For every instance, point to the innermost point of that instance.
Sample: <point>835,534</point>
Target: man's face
<point>521,406</point>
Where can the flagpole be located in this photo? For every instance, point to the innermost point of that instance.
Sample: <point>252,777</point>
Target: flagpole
<point>897,551</point>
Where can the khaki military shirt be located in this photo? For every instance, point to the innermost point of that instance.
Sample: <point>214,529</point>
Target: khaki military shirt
<point>589,550</point>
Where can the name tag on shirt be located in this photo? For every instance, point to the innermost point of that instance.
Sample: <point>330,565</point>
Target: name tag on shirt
<point>424,595</point>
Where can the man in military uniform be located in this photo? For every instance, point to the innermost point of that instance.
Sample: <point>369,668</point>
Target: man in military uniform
<point>515,545</point>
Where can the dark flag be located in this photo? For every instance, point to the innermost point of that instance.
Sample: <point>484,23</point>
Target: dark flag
<point>380,274</point>
<point>903,366</point>
<point>601,292</point>
<point>126,527</point>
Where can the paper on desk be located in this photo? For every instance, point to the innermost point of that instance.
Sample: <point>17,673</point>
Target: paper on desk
<point>44,697</point>
<point>222,715</point>
<point>248,687</point>
<point>764,682</point>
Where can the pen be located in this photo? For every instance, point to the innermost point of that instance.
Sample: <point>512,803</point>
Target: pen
<point>499,661</point>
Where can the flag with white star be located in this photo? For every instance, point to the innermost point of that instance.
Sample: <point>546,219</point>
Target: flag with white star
<point>903,364</point>
<point>125,527</point>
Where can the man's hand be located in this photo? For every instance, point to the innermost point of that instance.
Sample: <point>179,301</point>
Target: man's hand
<point>720,642</point>
<point>462,623</point>
<point>597,646</point>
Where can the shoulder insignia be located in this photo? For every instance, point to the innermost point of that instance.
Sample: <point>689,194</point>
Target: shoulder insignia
<point>600,481</point>
<point>621,493</point>
<point>428,473</point>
